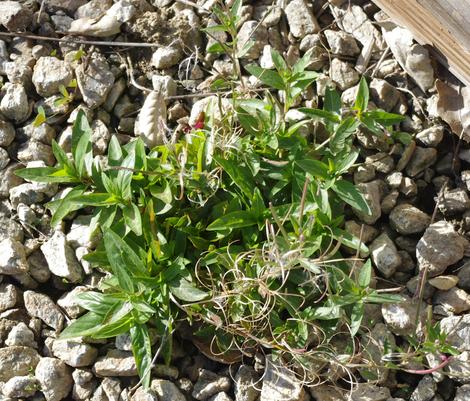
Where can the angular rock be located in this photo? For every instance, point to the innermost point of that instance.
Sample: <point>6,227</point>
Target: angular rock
<point>166,57</point>
<point>454,201</point>
<point>41,306</point>
<point>407,219</point>
<point>363,231</point>
<point>50,74</point>
<point>166,390</point>
<point>370,392</point>
<point>7,133</point>
<point>21,335</point>
<point>453,301</point>
<point>68,302</point>
<point>459,368</point>
<point>95,81</point>
<point>251,30</point>
<point>462,393</point>
<point>401,317</point>
<point>422,159</point>
<point>382,162</point>
<point>208,384</point>
<point>116,363</point>
<point>8,296</point>
<point>371,192</point>
<point>33,150</point>
<point>55,378</point>
<point>20,387</point>
<point>444,283</point>
<point>14,17</point>
<point>246,380</point>
<point>74,353</point>
<point>341,43</point>
<point>17,361</point>
<point>385,255</point>
<point>464,276</point>
<point>112,388</point>
<point>384,95</point>
<point>440,247</point>
<point>364,173</point>
<point>431,136</point>
<point>61,258</point>
<point>12,257</point>
<point>425,390</point>
<point>301,19</point>
<point>14,104</point>
<point>343,74</point>
<point>394,179</point>
<point>279,384</point>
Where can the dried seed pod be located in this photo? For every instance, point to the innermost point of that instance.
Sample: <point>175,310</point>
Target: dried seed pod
<point>151,122</point>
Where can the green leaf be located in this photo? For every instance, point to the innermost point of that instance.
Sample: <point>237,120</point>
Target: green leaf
<point>268,77</point>
<point>332,101</point>
<point>240,175</point>
<point>365,275</point>
<point>376,298</point>
<point>383,118</point>
<point>303,63</point>
<point>278,61</point>
<point>362,96</point>
<point>186,291</point>
<point>142,351</point>
<point>215,48</point>
<point>62,207</point>
<point>323,114</point>
<point>82,327</point>
<point>123,260</point>
<point>345,160</point>
<point>96,302</point>
<point>114,152</point>
<point>40,117</point>
<point>84,154</point>
<point>342,133</point>
<point>45,174</point>
<point>94,199</point>
<point>233,220</point>
<point>132,218</point>
<point>80,128</point>
<point>351,195</point>
<point>357,314</point>
<point>313,167</point>
<point>236,8</point>
<point>63,159</point>
<point>245,48</point>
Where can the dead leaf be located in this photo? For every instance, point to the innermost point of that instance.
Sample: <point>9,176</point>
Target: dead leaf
<point>453,106</point>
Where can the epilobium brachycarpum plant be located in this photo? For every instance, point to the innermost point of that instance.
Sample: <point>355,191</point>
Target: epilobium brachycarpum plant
<point>236,228</point>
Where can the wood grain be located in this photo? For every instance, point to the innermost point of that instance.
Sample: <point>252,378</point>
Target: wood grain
<point>442,24</point>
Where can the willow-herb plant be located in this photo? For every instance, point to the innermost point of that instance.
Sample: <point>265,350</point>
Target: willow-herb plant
<point>236,228</point>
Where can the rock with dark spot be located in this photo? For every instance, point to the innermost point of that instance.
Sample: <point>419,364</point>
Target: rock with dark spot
<point>407,219</point>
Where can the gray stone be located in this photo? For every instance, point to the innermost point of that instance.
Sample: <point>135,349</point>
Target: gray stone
<point>408,187</point>
<point>208,384</point>
<point>301,19</point>
<point>74,353</point>
<point>14,16</point>
<point>422,159</point>
<point>246,384</point>
<point>462,393</point>
<point>364,173</point>
<point>20,386</point>
<point>95,81</point>
<point>371,192</point>
<point>457,329</point>
<point>406,156</point>
<point>454,201</point>
<point>384,95</point>
<point>369,392</point>
<point>166,390</point>
<point>222,396</point>
<point>12,257</point>
<point>17,361</point>
<point>280,384</point>
<point>41,306</point>
<point>21,335</point>
<point>425,390</point>
<point>268,14</point>
<point>343,74</point>
<point>61,258</point>
<point>38,267</point>
<point>464,276</point>
<point>440,247</point>
<point>68,302</point>
<point>251,30</point>
<point>453,301</point>
<point>144,395</point>
<point>459,368</point>
<point>166,57</point>
<point>385,255</point>
<point>382,162</point>
<point>341,43</point>
<point>325,392</point>
<point>363,231</point>
<point>431,136</point>
<point>116,363</point>
<point>7,133</point>
<point>4,158</point>
<point>33,151</point>
<point>14,104</point>
<point>394,179</point>
<point>444,283</point>
<point>80,233</point>
<point>389,202</point>
<point>50,74</point>
<point>465,177</point>
<point>112,388</point>
<point>55,378</point>
<point>407,219</point>
<point>8,296</point>
<point>401,317</point>
<point>26,194</point>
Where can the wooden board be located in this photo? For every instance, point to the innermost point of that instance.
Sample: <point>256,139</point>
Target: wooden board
<point>442,24</point>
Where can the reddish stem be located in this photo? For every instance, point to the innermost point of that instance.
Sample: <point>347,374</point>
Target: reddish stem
<point>445,361</point>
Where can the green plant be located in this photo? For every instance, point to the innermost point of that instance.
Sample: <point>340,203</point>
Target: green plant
<point>236,228</point>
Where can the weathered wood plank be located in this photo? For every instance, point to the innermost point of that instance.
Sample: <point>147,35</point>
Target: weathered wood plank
<point>442,24</point>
